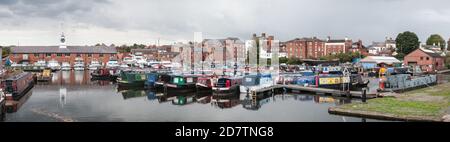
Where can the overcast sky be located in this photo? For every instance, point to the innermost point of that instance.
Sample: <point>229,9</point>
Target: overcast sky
<point>86,22</point>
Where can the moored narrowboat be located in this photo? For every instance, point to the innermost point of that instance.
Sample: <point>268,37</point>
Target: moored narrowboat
<point>205,84</point>
<point>104,74</point>
<point>162,80</point>
<point>18,85</point>
<point>181,84</point>
<point>227,86</point>
<point>152,78</point>
<point>254,82</point>
<point>130,79</point>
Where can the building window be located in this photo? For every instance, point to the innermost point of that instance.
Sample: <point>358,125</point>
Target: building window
<point>67,54</point>
<point>89,55</point>
<point>421,58</point>
<point>59,54</point>
<point>36,55</point>
<point>428,58</point>
<point>101,55</point>
<point>48,55</point>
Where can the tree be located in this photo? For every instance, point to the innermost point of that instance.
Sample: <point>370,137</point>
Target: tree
<point>6,51</point>
<point>407,42</point>
<point>436,39</point>
<point>294,61</point>
<point>283,60</point>
<point>342,57</point>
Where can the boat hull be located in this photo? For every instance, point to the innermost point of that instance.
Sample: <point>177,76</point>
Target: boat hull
<point>225,92</point>
<point>179,89</point>
<point>203,88</point>
<point>103,77</point>
<point>130,85</point>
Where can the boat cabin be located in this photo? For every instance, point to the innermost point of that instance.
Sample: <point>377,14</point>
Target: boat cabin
<point>225,82</point>
<point>183,80</point>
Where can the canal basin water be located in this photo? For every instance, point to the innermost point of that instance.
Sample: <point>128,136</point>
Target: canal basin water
<point>72,96</point>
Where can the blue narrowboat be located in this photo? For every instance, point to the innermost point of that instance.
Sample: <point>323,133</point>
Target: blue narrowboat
<point>253,82</point>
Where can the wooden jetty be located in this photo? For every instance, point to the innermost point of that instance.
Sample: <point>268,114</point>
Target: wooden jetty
<point>324,91</point>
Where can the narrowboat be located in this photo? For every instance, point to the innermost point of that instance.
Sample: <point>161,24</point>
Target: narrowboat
<point>253,82</point>
<point>205,84</point>
<point>45,76</point>
<point>104,74</point>
<point>227,86</point>
<point>130,79</point>
<point>332,81</point>
<point>181,84</point>
<point>332,70</point>
<point>304,80</point>
<point>162,80</point>
<point>18,85</point>
<point>151,80</point>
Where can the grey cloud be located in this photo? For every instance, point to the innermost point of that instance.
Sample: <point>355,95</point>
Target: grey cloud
<point>369,20</point>
<point>50,8</point>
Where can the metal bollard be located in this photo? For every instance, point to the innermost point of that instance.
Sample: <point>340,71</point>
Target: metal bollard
<point>364,95</point>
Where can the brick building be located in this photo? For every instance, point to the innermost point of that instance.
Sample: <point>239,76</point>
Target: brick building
<point>305,48</point>
<point>157,53</point>
<point>427,60</point>
<point>62,53</point>
<point>335,46</point>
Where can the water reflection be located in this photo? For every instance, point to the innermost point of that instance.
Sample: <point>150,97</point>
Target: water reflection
<point>73,96</point>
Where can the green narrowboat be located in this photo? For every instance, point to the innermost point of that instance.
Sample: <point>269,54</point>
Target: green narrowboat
<point>130,79</point>
<point>181,84</point>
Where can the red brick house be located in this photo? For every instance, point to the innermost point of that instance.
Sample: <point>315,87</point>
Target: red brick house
<point>305,48</point>
<point>427,60</point>
<point>335,46</point>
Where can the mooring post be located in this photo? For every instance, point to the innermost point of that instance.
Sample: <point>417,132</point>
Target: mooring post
<point>364,97</point>
<point>248,91</point>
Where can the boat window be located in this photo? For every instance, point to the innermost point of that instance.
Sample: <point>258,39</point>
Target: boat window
<point>189,80</point>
